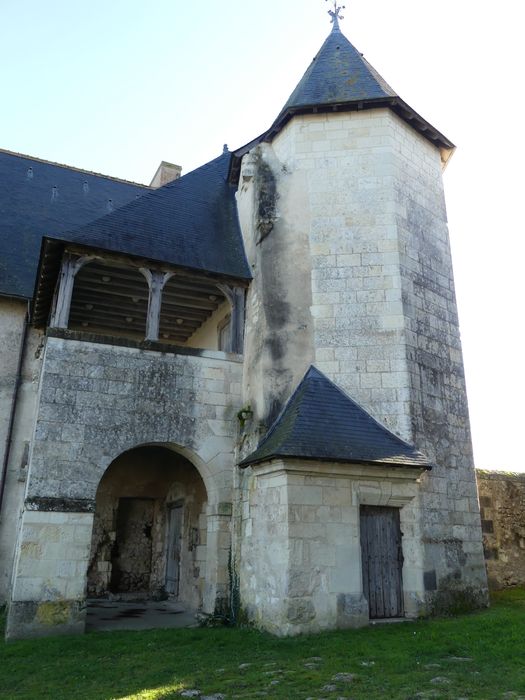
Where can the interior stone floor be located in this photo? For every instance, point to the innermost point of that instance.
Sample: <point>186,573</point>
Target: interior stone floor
<point>106,615</point>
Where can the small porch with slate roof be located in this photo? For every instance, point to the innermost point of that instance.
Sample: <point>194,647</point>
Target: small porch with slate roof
<point>332,490</point>
<point>321,422</point>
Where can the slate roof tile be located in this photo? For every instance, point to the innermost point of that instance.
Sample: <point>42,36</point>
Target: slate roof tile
<point>191,222</point>
<point>321,422</point>
<point>31,208</point>
<point>341,79</point>
<point>338,74</point>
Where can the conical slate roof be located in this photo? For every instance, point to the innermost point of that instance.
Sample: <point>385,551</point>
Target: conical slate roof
<point>321,422</point>
<point>338,74</point>
<point>191,222</point>
<point>340,79</point>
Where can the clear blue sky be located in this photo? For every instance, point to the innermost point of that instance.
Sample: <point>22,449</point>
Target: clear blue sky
<point>116,86</point>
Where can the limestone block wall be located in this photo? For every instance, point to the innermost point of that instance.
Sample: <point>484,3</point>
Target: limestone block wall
<point>324,193</point>
<point>300,566</point>
<point>12,314</point>
<point>362,192</point>
<point>273,211</point>
<point>345,165</point>
<point>502,501</point>
<point>264,550</point>
<point>448,504</point>
<point>49,587</point>
<point>96,401</point>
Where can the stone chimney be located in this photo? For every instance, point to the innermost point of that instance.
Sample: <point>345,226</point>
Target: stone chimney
<point>166,172</point>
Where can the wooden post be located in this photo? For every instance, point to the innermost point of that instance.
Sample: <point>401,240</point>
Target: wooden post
<point>156,280</point>
<point>236,297</point>
<point>70,265</point>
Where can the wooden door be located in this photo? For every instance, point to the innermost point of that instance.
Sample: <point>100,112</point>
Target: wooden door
<point>382,561</point>
<point>174,549</point>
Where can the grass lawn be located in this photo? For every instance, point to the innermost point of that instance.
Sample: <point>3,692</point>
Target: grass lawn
<point>473,656</point>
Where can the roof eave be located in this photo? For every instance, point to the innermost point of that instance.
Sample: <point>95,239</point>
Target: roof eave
<point>338,460</point>
<point>396,104</point>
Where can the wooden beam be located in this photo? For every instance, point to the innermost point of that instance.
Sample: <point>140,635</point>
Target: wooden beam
<point>124,261</point>
<point>236,297</point>
<point>107,327</point>
<point>70,265</point>
<point>192,301</point>
<point>83,295</point>
<point>156,280</point>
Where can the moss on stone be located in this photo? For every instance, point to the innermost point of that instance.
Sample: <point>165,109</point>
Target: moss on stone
<point>52,613</point>
<point>449,602</point>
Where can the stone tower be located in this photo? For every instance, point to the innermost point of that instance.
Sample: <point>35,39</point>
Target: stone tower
<point>342,208</point>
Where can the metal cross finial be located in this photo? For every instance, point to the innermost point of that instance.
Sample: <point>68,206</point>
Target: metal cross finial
<point>335,14</point>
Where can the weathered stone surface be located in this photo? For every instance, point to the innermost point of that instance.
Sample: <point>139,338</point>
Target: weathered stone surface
<point>440,680</point>
<point>98,401</point>
<point>304,565</point>
<point>163,399</point>
<point>502,501</point>
<point>300,611</point>
<point>38,618</point>
<point>344,677</point>
<point>12,314</point>
<point>360,223</point>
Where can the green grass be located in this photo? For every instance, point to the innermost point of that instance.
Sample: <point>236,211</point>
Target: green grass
<point>481,655</point>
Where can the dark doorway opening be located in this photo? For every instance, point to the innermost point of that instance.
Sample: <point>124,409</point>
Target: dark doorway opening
<point>382,561</point>
<point>150,530</point>
<point>132,550</point>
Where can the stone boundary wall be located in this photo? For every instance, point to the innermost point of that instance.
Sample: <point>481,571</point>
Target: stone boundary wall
<point>502,502</point>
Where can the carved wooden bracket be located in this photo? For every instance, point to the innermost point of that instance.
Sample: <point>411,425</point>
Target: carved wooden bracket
<point>236,297</point>
<point>71,264</point>
<point>156,280</point>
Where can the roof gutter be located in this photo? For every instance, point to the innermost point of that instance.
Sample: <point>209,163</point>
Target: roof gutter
<point>12,412</point>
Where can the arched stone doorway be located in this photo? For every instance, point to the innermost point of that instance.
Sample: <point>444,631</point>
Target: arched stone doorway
<point>149,531</point>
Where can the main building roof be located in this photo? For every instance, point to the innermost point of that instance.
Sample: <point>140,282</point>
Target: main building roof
<point>38,198</point>
<point>191,222</point>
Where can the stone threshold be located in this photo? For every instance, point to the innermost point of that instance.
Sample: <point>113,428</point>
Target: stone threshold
<point>390,621</point>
